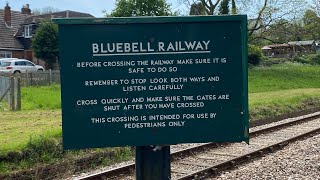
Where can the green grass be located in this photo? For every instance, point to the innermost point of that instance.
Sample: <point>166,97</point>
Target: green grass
<point>18,127</point>
<point>274,103</point>
<point>283,76</point>
<point>48,150</point>
<point>282,97</point>
<point>43,97</point>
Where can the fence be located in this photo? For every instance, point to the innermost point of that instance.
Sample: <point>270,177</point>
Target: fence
<point>42,78</point>
<point>10,92</point>
<point>10,85</point>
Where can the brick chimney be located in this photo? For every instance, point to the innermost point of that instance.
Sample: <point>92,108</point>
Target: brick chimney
<point>7,15</point>
<point>25,9</point>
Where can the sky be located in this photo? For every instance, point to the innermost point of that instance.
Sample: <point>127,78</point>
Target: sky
<point>93,7</point>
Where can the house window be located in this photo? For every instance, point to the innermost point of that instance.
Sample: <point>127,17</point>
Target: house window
<point>28,31</point>
<point>5,54</point>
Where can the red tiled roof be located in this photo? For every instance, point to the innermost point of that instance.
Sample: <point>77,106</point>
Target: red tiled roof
<point>7,39</point>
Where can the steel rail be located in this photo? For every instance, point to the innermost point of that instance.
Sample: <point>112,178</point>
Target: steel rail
<point>188,151</point>
<point>213,170</point>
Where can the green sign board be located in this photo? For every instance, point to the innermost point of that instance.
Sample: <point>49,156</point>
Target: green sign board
<point>154,80</point>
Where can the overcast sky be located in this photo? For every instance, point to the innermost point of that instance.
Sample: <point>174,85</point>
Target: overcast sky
<point>94,7</point>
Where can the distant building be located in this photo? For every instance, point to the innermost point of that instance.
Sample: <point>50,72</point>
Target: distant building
<point>291,49</point>
<point>303,47</point>
<point>277,50</point>
<point>18,27</point>
<point>10,22</point>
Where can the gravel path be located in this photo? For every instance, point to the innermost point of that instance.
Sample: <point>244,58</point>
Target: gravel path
<point>300,160</point>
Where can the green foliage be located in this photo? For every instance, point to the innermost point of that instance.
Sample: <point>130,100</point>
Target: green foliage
<point>313,59</point>
<point>44,147</point>
<point>271,61</point>
<point>283,31</point>
<point>197,9</point>
<point>301,59</point>
<point>311,25</point>
<point>128,8</point>
<point>255,54</point>
<point>224,7</point>
<point>45,42</point>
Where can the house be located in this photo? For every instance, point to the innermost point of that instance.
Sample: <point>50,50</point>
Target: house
<point>29,26</point>
<point>303,47</point>
<point>291,49</point>
<point>17,29</point>
<point>277,50</point>
<point>10,22</point>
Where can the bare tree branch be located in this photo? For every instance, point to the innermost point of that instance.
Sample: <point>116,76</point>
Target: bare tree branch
<point>259,17</point>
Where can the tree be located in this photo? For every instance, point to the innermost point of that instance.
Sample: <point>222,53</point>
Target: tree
<point>311,25</point>
<point>224,7</point>
<point>127,8</point>
<point>316,6</point>
<point>197,9</point>
<point>266,12</point>
<point>45,42</point>
<point>261,13</point>
<point>233,7</point>
<point>45,10</point>
<point>283,31</point>
<point>210,6</point>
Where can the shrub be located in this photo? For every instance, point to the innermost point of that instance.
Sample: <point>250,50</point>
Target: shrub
<point>308,59</point>
<point>44,148</point>
<point>301,59</point>
<point>315,59</point>
<point>255,54</point>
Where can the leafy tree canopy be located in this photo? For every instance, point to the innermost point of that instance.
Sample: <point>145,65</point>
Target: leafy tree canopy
<point>45,10</point>
<point>197,9</point>
<point>311,25</point>
<point>127,8</point>
<point>224,7</point>
<point>45,42</point>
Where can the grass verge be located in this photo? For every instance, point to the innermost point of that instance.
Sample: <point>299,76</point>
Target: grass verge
<point>18,127</point>
<point>283,76</point>
<point>43,97</point>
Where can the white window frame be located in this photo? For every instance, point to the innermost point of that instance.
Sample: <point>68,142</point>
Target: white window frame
<point>5,54</point>
<point>28,31</point>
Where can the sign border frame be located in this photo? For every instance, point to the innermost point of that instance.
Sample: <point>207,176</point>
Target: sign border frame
<point>178,19</point>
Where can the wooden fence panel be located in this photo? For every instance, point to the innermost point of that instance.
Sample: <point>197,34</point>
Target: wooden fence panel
<point>44,78</point>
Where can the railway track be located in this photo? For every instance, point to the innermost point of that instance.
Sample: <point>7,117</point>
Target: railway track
<point>199,161</point>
